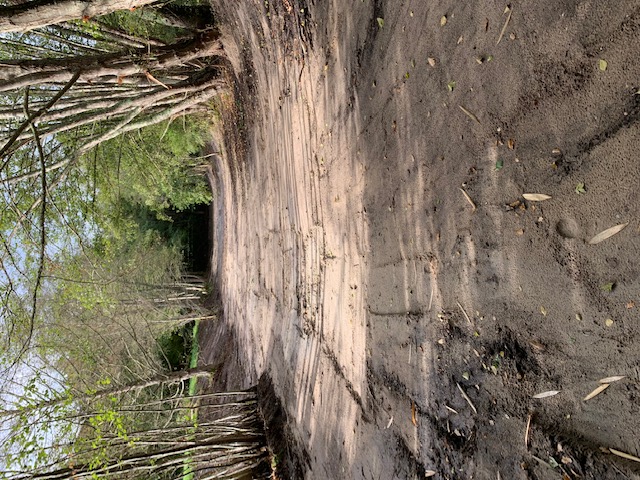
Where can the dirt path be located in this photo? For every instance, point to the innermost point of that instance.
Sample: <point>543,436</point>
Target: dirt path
<point>404,329</point>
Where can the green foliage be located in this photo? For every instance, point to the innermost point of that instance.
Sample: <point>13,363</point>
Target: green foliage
<point>174,348</point>
<point>152,168</point>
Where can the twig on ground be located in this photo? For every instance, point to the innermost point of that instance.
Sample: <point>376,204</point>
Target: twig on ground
<point>464,313</point>
<point>466,397</point>
<point>466,195</point>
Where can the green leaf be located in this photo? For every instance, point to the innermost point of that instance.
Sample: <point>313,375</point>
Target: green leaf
<point>380,22</point>
<point>499,164</point>
<point>580,188</point>
<point>608,287</point>
<point>602,64</point>
<point>451,85</point>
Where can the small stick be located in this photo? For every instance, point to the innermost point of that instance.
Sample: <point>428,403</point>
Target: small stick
<point>633,458</point>
<point>466,195</point>
<point>390,422</point>
<point>504,28</point>
<point>526,433</point>
<point>469,114</point>
<point>464,313</point>
<point>466,397</point>
<point>410,345</point>
<point>431,298</point>
<point>450,409</point>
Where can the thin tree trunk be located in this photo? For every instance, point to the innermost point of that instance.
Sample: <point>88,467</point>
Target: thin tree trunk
<point>173,377</point>
<point>27,16</point>
<point>16,74</point>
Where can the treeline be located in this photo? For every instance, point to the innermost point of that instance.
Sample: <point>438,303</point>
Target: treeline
<point>105,106</point>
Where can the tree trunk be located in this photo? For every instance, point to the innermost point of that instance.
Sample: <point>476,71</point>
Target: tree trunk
<point>27,16</point>
<point>15,74</point>
<point>163,378</point>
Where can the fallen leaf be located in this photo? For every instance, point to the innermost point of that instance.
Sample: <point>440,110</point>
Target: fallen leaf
<point>597,391</point>
<point>609,232</point>
<point>602,64</point>
<point>466,375</point>
<point>556,151</point>
<point>549,393</point>
<point>380,22</point>
<point>510,144</point>
<point>536,197</point>
<point>543,311</point>
<point>630,305</point>
<point>429,473</point>
<point>499,164</point>
<point>451,85</point>
<point>413,414</point>
<point>615,378</point>
<point>608,322</point>
<point>608,287</point>
<point>508,11</point>
<point>520,232</point>
<point>443,20</point>
<point>566,460</point>
<point>624,455</point>
<point>469,114</point>
<point>459,40</point>
<point>489,58</point>
<point>580,188</point>
<point>432,61</point>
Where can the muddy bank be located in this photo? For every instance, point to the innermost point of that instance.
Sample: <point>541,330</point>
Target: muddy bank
<point>376,257</point>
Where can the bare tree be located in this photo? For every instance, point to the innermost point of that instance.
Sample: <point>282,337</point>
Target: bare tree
<point>26,16</point>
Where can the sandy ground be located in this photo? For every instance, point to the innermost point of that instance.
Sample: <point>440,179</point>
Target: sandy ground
<point>404,329</point>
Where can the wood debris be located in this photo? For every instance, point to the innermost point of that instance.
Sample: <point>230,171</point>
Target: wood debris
<point>468,198</point>
<point>633,458</point>
<point>508,11</point>
<point>466,397</point>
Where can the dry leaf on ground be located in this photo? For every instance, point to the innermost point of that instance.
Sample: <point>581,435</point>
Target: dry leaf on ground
<point>536,197</point>
<point>549,393</point>
<point>611,379</point>
<point>609,232</point>
<point>597,391</point>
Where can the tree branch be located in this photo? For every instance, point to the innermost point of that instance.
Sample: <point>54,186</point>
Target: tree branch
<point>32,117</point>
